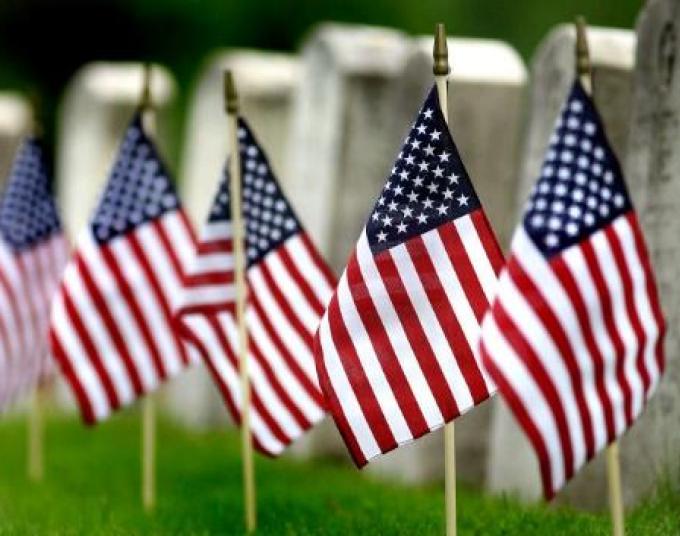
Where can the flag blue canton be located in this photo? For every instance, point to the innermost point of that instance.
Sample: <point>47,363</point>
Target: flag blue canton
<point>138,189</point>
<point>428,185</point>
<point>28,214</point>
<point>581,187</point>
<point>269,218</point>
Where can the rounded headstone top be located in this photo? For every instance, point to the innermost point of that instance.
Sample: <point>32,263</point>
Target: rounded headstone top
<point>122,82</point>
<point>256,72</point>
<point>359,49</point>
<point>15,113</point>
<point>476,60</point>
<point>613,47</point>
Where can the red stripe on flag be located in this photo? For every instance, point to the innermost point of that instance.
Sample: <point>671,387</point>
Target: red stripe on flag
<point>447,316</point>
<point>319,262</point>
<point>283,304</point>
<point>16,313</point>
<point>568,282</point>
<point>111,326</point>
<point>358,380</point>
<point>137,314</point>
<point>522,415</point>
<point>528,356</point>
<point>300,281</point>
<point>169,247</point>
<point>418,341</point>
<point>489,242</point>
<point>651,289</point>
<point>534,297</point>
<point>90,348</point>
<point>209,247</point>
<point>187,333</point>
<point>159,293</point>
<point>464,269</point>
<point>284,397</point>
<point>336,408</point>
<point>290,361</point>
<point>610,324</point>
<point>384,351</point>
<point>72,378</point>
<point>631,310</point>
<point>267,417</point>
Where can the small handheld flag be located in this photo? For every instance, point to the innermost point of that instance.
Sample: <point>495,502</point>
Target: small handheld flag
<point>574,337</point>
<point>395,347</point>
<point>111,326</point>
<point>289,285</point>
<point>33,253</point>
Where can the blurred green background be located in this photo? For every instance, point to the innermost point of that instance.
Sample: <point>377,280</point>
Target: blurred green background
<point>42,42</point>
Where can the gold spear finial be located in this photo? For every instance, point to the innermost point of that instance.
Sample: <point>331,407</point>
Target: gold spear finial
<point>440,51</point>
<point>145,101</point>
<point>230,95</point>
<point>583,67</point>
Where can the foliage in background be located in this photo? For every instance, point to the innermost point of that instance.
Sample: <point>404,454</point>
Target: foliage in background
<point>43,42</point>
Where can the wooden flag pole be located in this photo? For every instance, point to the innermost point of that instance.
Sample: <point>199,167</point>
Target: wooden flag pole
<point>441,71</point>
<point>584,73</point>
<point>238,233</point>
<point>148,402</point>
<point>35,466</point>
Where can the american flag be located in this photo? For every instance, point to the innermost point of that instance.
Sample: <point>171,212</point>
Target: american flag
<point>289,286</point>
<point>574,337</point>
<point>111,327</point>
<point>395,346</point>
<point>33,253</point>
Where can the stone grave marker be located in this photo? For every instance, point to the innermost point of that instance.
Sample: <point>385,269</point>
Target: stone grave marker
<point>486,96</point>
<point>512,465</point>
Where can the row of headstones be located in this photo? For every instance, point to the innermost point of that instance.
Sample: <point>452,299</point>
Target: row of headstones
<point>332,119</point>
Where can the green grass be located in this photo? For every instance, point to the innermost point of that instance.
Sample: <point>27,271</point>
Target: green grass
<point>92,487</point>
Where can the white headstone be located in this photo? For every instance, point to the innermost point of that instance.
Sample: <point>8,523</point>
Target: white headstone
<point>265,83</point>
<point>15,120</point>
<point>342,145</point>
<point>486,95</point>
<point>512,463</point>
<point>649,452</point>
<point>342,142</point>
<point>96,108</point>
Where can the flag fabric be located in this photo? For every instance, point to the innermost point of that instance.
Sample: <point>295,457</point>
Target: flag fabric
<point>574,337</point>
<point>111,325</point>
<point>33,253</point>
<point>395,348</point>
<point>288,285</point>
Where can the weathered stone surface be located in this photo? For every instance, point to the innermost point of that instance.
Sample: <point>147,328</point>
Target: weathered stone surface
<point>650,451</point>
<point>265,83</point>
<point>97,106</point>
<point>15,119</point>
<point>486,94</point>
<point>512,463</point>
<point>342,143</point>
<point>342,136</point>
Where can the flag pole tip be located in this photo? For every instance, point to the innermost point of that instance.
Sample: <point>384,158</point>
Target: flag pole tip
<point>145,101</point>
<point>582,53</point>
<point>230,95</point>
<point>440,51</point>
<point>36,112</point>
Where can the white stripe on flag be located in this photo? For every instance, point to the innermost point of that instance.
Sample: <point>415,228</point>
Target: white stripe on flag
<point>398,338</point>
<point>341,386</point>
